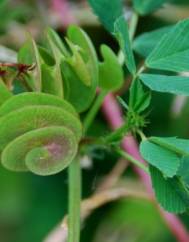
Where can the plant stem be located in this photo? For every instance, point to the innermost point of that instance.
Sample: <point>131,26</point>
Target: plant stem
<point>93,110</point>
<point>117,134</point>
<point>133,25</point>
<point>142,135</point>
<point>74,201</point>
<point>133,160</point>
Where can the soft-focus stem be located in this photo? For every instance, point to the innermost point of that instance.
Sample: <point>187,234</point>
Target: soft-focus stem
<point>74,201</point>
<point>62,8</point>
<point>98,199</point>
<point>113,115</point>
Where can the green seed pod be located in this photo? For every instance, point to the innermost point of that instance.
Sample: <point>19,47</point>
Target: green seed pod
<point>34,98</point>
<point>38,132</point>
<point>4,93</point>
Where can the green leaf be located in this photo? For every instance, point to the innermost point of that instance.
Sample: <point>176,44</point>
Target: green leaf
<point>176,145</point>
<point>165,160</point>
<point>4,93</point>
<point>144,7</point>
<point>139,100</point>
<point>122,34</point>
<point>145,43</point>
<point>165,153</point>
<point>183,171</point>
<point>172,52</point>
<point>171,84</point>
<point>170,193</point>
<point>110,71</point>
<point>107,11</point>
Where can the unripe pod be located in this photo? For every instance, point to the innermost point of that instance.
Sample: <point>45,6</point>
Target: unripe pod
<point>38,132</point>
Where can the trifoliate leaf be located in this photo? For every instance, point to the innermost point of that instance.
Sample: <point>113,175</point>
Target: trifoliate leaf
<point>172,52</point>
<point>146,42</point>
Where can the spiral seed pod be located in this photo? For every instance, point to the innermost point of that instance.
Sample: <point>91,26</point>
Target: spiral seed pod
<point>38,132</point>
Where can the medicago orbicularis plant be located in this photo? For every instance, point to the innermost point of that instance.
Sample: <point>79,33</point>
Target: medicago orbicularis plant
<point>39,132</point>
<point>41,129</point>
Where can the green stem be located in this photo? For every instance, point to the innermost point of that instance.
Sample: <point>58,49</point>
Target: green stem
<point>75,178</point>
<point>142,135</point>
<point>132,160</point>
<point>117,134</point>
<point>93,110</point>
<point>74,201</point>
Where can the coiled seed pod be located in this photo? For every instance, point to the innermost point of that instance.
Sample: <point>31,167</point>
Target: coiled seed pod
<point>38,132</point>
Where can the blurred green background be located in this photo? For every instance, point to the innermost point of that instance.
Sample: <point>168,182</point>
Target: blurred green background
<point>30,206</point>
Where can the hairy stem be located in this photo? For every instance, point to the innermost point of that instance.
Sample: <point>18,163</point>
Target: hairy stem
<point>74,201</point>
<point>117,134</point>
